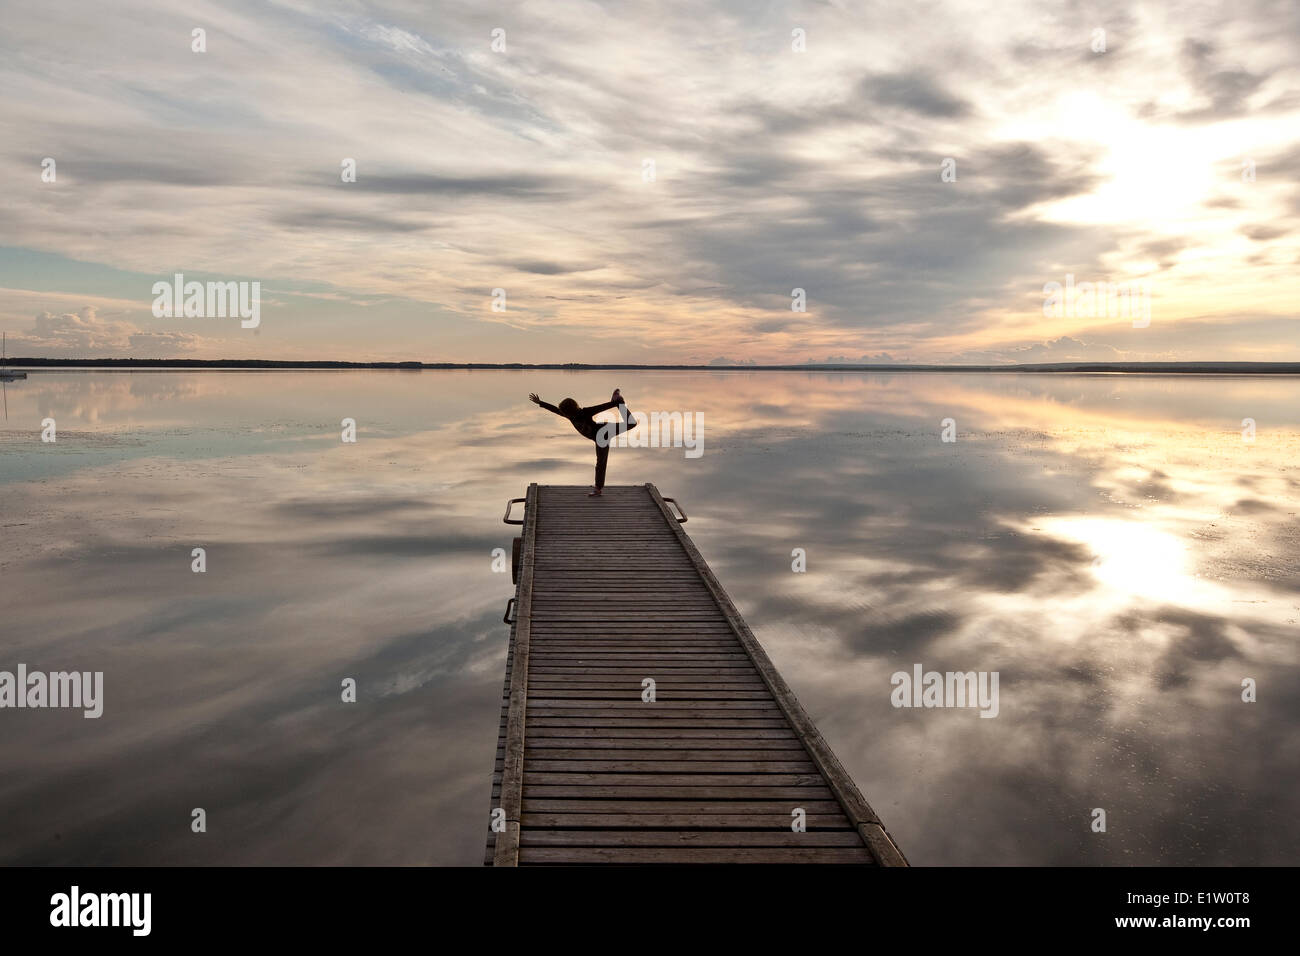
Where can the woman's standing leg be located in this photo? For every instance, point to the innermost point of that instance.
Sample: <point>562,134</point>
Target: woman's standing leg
<point>602,459</point>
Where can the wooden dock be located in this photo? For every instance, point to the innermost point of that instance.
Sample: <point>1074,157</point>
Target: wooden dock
<point>612,593</point>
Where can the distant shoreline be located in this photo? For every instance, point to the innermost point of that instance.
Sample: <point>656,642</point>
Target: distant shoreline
<point>1202,368</point>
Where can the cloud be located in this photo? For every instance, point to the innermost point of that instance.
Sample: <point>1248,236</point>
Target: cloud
<point>511,186</point>
<point>774,170</point>
<point>1264,233</point>
<point>879,358</point>
<point>1164,251</point>
<point>84,335</point>
<point>542,267</point>
<point>1226,89</point>
<point>401,40</point>
<point>914,91</point>
<point>1062,349</point>
<point>333,219</point>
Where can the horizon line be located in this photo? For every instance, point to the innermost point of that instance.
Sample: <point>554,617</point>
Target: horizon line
<point>1205,367</point>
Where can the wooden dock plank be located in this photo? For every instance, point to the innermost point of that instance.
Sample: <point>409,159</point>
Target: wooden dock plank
<point>570,856</point>
<point>713,770</point>
<point>546,832</point>
<point>828,809</point>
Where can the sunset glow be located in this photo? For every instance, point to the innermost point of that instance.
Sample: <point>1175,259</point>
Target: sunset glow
<point>1160,149</point>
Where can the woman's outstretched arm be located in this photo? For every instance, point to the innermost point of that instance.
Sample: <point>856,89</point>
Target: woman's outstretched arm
<point>532,397</point>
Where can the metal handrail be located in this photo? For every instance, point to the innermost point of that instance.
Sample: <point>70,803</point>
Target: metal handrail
<point>509,505</point>
<point>682,519</point>
<point>506,618</point>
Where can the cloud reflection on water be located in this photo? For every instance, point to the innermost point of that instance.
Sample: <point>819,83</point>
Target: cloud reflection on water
<point>1108,544</point>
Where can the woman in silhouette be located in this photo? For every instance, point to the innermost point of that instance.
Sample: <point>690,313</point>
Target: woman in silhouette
<point>584,420</point>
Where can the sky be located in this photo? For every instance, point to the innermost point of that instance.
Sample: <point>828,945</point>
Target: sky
<point>650,182</point>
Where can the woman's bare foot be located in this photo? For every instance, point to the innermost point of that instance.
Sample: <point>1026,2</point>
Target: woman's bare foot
<point>594,493</point>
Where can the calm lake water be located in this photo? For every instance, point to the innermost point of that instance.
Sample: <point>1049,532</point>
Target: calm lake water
<point>1110,545</point>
